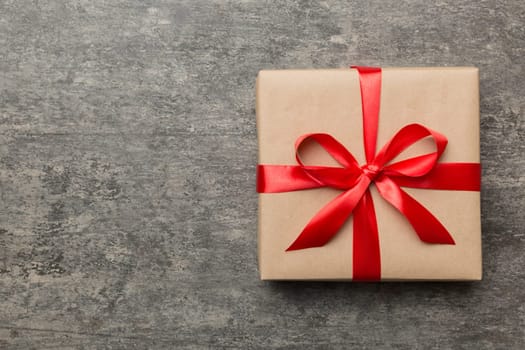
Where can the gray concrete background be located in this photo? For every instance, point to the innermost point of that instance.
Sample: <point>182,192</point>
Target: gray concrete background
<point>127,172</point>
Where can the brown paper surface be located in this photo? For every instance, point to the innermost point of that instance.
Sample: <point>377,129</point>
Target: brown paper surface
<point>294,102</point>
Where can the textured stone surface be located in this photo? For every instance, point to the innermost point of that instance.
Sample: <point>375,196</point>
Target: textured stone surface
<point>127,162</point>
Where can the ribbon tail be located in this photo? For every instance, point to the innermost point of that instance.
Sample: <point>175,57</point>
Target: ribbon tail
<point>327,222</point>
<point>366,252</point>
<point>427,227</point>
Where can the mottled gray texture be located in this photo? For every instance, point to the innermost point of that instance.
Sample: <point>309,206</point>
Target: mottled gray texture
<point>127,170</point>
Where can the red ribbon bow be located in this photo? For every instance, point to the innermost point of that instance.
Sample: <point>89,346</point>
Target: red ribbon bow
<point>422,171</point>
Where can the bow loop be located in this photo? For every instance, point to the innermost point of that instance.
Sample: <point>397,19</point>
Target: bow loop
<point>333,147</point>
<point>402,140</point>
<point>343,177</point>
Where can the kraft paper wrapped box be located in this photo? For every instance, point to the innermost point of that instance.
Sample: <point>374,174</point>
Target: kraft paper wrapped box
<point>292,103</point>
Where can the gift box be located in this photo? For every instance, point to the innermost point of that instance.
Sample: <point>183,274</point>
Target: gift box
<point>369,174</point>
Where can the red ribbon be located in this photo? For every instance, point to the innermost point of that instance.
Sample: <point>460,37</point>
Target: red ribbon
<point>422,171</point>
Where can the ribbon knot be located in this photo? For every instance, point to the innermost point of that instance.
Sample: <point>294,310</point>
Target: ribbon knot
<point>371,171</point>
<point>423,171</point>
